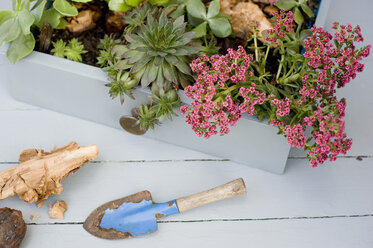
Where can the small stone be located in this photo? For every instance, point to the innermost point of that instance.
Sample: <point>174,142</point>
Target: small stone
<point>130,124</point>
<point>242,17</point>
<point>57,210</point>
<point>12,228</point>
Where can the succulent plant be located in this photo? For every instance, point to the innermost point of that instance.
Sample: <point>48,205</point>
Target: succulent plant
<point>159,51</point>
<point>72,51</point>
<point>155,51</point>
<point>59,48</point>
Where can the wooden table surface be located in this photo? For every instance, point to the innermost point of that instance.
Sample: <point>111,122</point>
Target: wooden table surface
<point>328,206</point>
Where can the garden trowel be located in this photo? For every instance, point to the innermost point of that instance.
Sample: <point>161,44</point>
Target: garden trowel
<point>137,214</point>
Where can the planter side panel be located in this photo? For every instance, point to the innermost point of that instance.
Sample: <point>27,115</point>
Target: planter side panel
<point>51,82</point>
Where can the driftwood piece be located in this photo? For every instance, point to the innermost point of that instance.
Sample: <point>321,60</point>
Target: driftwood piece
<point>12,228</point>
<point>40,173</point>
<point>57,210</point>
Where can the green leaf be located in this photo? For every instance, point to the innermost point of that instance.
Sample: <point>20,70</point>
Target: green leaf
<point>214,9</point>
<point>6,15</point>
<point>50,16</point>
<point>38,9</point>
<point>298,17</point>
<point>220,26</point>
<point>119,6</point>
<point>158,2</point>
<point>62,23</point>
<point>133,3</point>
<point>303,35</point>
<point>180,11</point>
<point>65,8</point>
<point>196,9</point>
<point>306,10</point>
<point>183,67</point>
<point>81,1</point>
<point>21,47</point>
<point>200,30</point>
<point>9,30</point>
<point>286,4</point>
<point>25,21</point>
<point>22,5</point>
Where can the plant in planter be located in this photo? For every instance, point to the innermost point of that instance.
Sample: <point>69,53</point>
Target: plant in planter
<point>72,51</point>
<point>152,46</point>
<point>155,51</point>
<point>298,95</point>
<point>16,25</point>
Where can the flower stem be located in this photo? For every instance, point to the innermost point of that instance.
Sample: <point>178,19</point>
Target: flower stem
<point>256,46</point>
<point>280,67</point>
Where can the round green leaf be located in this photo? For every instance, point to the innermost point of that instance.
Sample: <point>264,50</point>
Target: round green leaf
<point>25,21</point>
<point>157,2</point>
<point>22,5</point>
<point>5,15</point>
<point>200,30</point>
<point>119,6</point>
<point>81,1</point>
<point>51,16</point>
<point>298,17</point>
<point>214,9</point>
<point>9,30</point>
<point>65,8</point>
<point>220,26</point>
<point>306,10</point>
<point>133,3</point>
<point>21,47</point>
<point>38,9</point>
<point>286,4</point>
<point>196,9</point>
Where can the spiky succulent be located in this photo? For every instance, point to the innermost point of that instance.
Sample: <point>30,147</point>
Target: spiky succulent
<point>160,51</point>
<point>59,48</point>
<point>72,51</point>
<point>156,51</point>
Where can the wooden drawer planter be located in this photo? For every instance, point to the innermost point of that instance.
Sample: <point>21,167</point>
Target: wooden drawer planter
<point>78,89</point>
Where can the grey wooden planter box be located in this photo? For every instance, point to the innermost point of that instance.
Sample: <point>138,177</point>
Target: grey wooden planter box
<point>78,89</point>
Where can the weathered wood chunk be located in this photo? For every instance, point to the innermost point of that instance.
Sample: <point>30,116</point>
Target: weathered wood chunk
<point>57,210</point>
<point>40,173</point>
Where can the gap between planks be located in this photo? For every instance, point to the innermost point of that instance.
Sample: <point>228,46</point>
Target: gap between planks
<point>228,220</point>
<point>357,157</point>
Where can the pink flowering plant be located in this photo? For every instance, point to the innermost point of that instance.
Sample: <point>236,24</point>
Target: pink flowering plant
<point>297,95</point>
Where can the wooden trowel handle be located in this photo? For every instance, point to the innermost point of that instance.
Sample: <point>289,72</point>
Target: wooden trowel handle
<point>234,188</point>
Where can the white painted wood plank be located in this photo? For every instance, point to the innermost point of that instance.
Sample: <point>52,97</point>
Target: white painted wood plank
<point>46,129</point>
<point>331,233</point>
<point>341,189</point>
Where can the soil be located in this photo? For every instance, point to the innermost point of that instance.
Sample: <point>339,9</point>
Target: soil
<point>91,38</point>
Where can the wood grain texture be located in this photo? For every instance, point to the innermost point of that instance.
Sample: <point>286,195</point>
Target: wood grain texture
<point>323,233</point>
<point>234,188</point>
<point>340,189</point>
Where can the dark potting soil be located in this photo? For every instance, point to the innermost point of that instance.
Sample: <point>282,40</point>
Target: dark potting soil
<point>91,38</point>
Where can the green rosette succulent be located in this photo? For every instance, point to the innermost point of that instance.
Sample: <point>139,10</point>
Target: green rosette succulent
<point>159,51</point>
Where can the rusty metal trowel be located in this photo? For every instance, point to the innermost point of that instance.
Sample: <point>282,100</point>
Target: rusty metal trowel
<point>137,214</point>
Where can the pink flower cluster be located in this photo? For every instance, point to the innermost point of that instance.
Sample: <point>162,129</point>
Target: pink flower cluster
<point>207,112</point>
<point>225,89</point>
<point>284,23</point>
<point>328,133</point>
